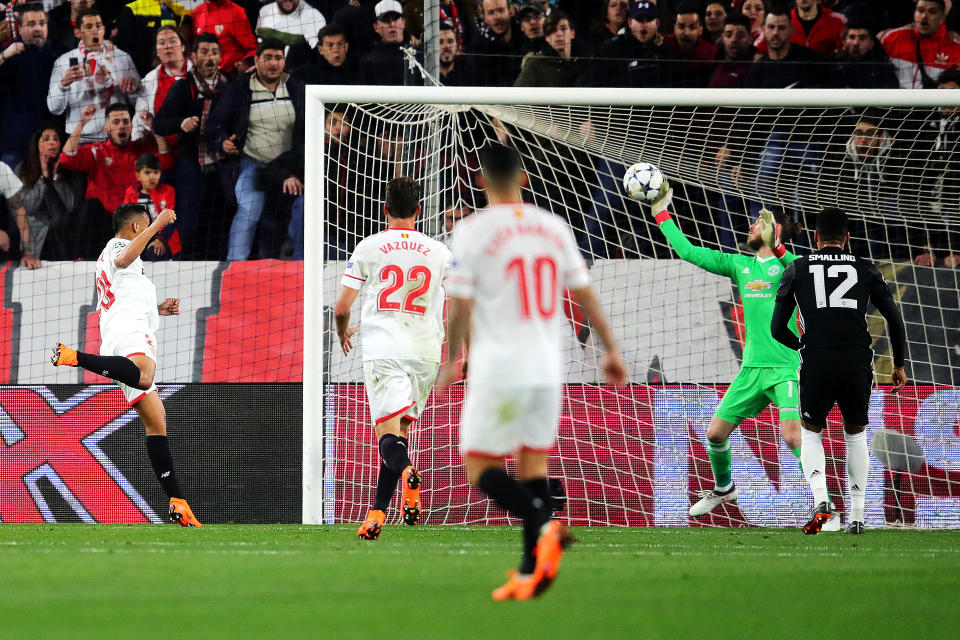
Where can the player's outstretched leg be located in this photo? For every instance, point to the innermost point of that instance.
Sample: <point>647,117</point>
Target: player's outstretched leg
<point>815,470</point>
<point>152,413</point>
<point>114,367</point>
<point>725,490</point>
<point>393,452</point>
<point>517,500</point>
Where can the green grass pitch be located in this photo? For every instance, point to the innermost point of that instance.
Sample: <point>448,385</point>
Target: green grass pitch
<point>290,581</point>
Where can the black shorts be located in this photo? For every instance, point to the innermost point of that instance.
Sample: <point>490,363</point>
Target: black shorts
<point>844,381</point>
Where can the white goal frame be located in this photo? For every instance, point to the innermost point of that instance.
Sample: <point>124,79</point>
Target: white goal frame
<point>317,481</point>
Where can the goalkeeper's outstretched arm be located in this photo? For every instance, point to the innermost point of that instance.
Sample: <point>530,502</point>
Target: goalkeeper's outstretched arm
<point>713,261</point>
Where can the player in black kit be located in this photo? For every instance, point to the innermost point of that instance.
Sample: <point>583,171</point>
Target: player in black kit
<point>833,291</point>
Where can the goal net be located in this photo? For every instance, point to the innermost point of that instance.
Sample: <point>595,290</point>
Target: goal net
<point>636,455</point>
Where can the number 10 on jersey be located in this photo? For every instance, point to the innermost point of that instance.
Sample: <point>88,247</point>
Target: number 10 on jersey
<point>543,273</point>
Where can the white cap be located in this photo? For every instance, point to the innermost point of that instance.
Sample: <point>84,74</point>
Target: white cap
<point>386,6</point>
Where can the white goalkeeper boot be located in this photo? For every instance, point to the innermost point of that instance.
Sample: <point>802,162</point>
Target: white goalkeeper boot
<point>710,500</point>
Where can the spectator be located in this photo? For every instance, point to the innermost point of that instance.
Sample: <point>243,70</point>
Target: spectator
<point>51,197</point>
<point>155,197</point>
<point>452,216</point>
<point>110,167</point>
<point>200,177</point>
<point>229,23</point>
<point>756,11</point>
<point>451,74</point>
<point>691,57</point>
<point>62,23</point>
<point>174,65</point>
<point>342,199</point>
<point>10,187</point>
<point>498,49</point>
<point>785,64</point>
<point>258,121</point>
<point>713,16</point>
<point>862,63</point>
<point>386,63</point>
<point>784,155</point>
<point>334,64</point>
<point>736,53</point>
<point>26,67</point>
<point>95,73</point>
<point>557,64</point>
<point>922,51</point>
<point>938,150</point>
<point>815,27</point>
<point>735,61</point>
<point>138,24</point>
<point>634,58</point>
<point>609,24</point>
<point>452,13</point>
<point>530,15</point>
<point>294,23</point>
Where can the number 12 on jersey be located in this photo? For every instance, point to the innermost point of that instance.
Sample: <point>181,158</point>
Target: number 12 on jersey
<point>543,272</point>
<point>836,299</point>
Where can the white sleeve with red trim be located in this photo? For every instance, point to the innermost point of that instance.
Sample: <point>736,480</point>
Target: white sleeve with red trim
<point>357,269</point>
<point>575,274</point>
<point>461,279</point>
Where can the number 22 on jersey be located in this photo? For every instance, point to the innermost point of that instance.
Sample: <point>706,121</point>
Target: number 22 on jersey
<point>394,278</point>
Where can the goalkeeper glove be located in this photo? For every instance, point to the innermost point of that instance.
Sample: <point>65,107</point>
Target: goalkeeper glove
<point>770,233</point>
<point>659,206</point>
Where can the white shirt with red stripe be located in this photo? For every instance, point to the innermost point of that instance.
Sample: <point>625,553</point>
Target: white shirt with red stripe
<point>400,273</point>
<point>514,261</point>
<point>126,298</point>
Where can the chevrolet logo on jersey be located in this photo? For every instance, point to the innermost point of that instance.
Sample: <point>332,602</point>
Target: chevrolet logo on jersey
<point>757,285</point>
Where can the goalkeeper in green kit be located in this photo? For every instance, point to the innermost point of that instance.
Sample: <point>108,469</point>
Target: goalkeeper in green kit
<point>769,369</point>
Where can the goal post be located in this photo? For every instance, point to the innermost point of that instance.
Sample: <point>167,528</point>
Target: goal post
<point>635,456</point>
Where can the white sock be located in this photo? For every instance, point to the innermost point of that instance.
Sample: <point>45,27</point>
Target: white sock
<point>814,462</point>
<point>858,468</point>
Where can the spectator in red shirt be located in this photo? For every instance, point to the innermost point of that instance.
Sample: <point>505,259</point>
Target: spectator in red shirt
<point>692,57</point>
<point>110,169</point>
<point>815,27</point>
<point>155,197</point>
<point>736,53</point>
<point>227,21</point>
<point>928,37</point>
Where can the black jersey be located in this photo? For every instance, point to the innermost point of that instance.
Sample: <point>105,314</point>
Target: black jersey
<point>833,291</point>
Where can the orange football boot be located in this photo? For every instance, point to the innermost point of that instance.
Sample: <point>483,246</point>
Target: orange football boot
<point>411,495</point>
<point>370,529</point>
<point>182,514</point>
<point>517,587</point>
<point>63,356</point>
<point>554,538</point>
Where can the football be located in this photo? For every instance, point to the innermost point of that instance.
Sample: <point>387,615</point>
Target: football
<point>642,181</point>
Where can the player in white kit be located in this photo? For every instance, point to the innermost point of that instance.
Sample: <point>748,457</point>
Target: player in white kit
<point>398,274</point>
<point>512,262</point>
<point>129,317</point>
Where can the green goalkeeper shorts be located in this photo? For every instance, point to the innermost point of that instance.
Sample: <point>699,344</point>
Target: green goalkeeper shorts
<point>756,387</point>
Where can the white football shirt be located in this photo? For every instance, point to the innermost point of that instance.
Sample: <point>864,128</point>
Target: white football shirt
<point>124,296</point>
<point>514,261</point>
<point>399,273</point>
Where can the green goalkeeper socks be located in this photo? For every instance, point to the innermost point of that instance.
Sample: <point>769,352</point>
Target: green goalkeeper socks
<point>720,461</point>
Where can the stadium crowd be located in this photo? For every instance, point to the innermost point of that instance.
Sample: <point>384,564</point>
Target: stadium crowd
<point>199,106</point>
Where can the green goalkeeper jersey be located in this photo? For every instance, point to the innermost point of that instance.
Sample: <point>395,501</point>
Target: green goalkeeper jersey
<point>757,279</point>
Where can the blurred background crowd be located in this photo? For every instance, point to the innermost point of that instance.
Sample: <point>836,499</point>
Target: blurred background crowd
<point>199,106</point>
